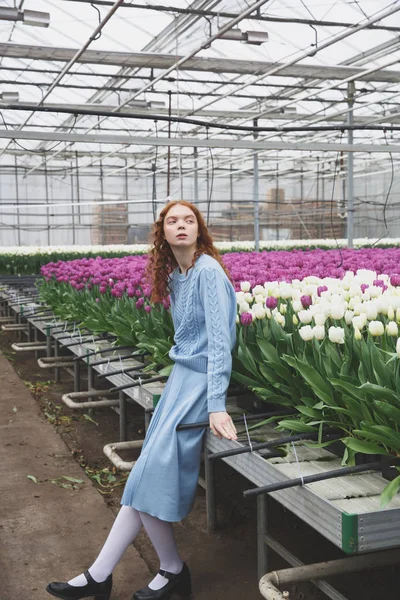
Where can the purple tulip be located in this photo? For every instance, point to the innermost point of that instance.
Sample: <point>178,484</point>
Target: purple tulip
<point>395,280</point>
<point>246,318</point>
<point>306,301</point>
<point>363,287</point>
<point>271,302</point>
<point>147,308</point>
<point>321,288</point>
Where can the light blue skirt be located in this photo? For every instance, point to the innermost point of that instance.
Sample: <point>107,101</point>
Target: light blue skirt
<point>164,479</point>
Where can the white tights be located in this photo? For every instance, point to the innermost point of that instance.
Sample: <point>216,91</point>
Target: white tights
<point>126,527</point>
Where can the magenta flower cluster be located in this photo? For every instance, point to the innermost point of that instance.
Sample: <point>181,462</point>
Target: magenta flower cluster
<point>126,275</point>
<point>280,265</point>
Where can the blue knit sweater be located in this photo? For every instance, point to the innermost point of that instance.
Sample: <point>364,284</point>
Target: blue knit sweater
<point>203,306</point>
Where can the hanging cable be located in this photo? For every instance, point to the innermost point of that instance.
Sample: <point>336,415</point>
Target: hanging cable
<point>387,196</point>
<point>332,198</point>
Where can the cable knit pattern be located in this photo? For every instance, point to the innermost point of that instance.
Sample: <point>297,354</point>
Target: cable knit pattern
<point>216,341</point>
<point>203,305</point>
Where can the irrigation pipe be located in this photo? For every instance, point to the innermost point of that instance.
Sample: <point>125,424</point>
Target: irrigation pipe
<point>107,349</point>
<point>110,450</point>
<point>297,437</point>
<point>69,399</point>
<point>289,483</point>
<point>267,415</point>
<point>269,583</point>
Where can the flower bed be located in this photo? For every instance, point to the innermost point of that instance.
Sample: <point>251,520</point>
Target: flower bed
<point>325,346</point>
<point>25,260</point>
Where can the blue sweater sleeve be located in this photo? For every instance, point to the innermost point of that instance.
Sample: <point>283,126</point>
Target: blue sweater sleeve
<point>215,299</point>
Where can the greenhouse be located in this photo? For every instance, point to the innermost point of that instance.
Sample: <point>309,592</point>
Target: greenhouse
<point>200,299</point>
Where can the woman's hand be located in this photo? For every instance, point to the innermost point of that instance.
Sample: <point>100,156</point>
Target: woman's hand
<point>222,425</point>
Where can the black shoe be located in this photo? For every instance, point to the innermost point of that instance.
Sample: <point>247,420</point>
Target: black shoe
<point>177,584</point>
<point>100,591</point>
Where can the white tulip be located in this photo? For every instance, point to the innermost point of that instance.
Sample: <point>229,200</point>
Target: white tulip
<point>296,294</point>
<point>259,289</point>
<point>319,319</point>
<point>357,334</point>
<point>244,307</point>
<point>245,286</point>
<point>283,309</point>
<point>371,311</point>
<point>295,320</point>
<point>374,291</point>
<point>398,316</point>
<point>237,319</point>
<point>353,301</point>
<point>285,291</point>
<point>239,297</point>
<point>348,316</point>
<point>248,297</point>
<point>306,333</point>
<point>390,313</point>
<point>336,335</point>
<point>392,329</point>
<point>305,316</point>
<point>337,311</point>
<point>359,321</point>
<point>319,332</point>
<point>259,311</point>
<point>259,298</point>
<point>280,319</point>
<point>398,347</point>
<point>376,328</point>
<point>297,306</point>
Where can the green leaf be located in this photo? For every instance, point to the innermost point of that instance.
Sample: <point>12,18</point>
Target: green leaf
<point>72,479</point>
<point>296,426</point>
<point>363,447</point>
<point>390,491</point>
<point>380,391</point>
<point>269,351</point>
<point>166,370</point>
<point>320,387</point>
<point>388,410</point>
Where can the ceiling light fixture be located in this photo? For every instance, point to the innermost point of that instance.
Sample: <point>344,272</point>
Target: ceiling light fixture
<point>9,97</point>
<point>255,38</point>
<point>28,17</point>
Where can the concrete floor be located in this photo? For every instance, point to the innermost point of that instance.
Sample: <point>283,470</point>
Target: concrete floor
<point>47,532</point>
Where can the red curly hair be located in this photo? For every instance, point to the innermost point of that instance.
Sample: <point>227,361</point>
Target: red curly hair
<point>162,262</point>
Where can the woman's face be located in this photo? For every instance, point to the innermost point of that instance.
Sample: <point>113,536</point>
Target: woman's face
<point>180,227</point>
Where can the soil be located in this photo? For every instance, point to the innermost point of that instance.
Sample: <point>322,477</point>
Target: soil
<point>228,557</point>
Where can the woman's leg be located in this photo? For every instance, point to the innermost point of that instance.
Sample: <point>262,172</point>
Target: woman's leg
<point>162,537</point>
<point>126,527</point>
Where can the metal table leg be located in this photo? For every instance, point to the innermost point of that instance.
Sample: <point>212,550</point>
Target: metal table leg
<point>77,376</point>
<point>209,468</point>
<point>57,369</point>
<point>90,385</point>
<point>262,526</point>
<point>123,421</point>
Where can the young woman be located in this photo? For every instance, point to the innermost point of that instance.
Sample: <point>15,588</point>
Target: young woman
<point>184,263</point>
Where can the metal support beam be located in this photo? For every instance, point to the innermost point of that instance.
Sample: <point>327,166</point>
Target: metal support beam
<point>88,138</point>
<point>150,60</point>
<point>350,168</point>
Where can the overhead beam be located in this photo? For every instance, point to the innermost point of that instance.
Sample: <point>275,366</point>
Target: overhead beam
<point>134,112</point>
<point>149,60</point>
<point>227,15</point>
<point>143,76</point>
<point>89,138</point>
